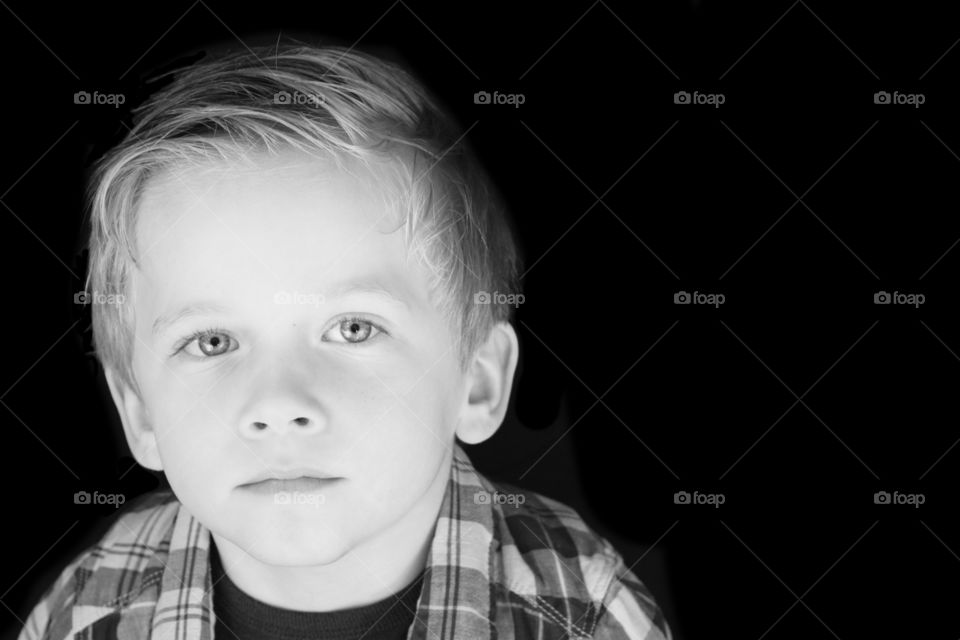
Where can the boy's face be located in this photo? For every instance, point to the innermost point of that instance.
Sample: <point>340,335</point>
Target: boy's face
<point>302,361</point>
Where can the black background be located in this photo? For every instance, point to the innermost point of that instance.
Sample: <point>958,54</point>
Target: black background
<point>798,199</point>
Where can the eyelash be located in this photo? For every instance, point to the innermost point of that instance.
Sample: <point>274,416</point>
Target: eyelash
<point>204,332</point>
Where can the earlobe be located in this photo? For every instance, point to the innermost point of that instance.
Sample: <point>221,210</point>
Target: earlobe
<point>489,382</point>
<point>137,426</point>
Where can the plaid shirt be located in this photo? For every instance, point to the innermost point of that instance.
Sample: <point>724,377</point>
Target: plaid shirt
<point>497,570</point>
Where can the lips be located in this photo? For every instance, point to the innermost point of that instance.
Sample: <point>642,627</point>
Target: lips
<point>290,473</point>
<point>301,484</point>
<point>302,479</point>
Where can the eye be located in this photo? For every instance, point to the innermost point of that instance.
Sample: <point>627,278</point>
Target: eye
<point>210,342</point>
<point>354,331</point>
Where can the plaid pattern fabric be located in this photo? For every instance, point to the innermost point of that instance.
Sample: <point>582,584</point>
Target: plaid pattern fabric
<point>500,567</point>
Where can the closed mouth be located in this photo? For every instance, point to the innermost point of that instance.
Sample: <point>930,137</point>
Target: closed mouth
<point>302,484</point>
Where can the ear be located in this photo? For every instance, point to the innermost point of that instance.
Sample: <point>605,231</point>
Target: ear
<point>136,422</point>
<point>488,384</point>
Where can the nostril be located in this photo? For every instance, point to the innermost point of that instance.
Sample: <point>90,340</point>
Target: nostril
<point>259,426</point>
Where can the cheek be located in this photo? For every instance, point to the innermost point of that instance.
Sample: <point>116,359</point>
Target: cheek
<point>188,426</point>
<point>417,403</point>
<point>187,443</point>
<point>412,432</point>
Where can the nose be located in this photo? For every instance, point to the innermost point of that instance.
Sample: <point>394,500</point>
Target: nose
<point>285,405</point>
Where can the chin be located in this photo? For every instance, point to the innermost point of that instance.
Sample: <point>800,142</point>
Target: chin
<point>286,537</point>
<point>300,557</point>
<point>298,549</point>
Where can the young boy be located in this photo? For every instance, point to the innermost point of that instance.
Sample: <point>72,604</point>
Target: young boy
<point>307,253</point>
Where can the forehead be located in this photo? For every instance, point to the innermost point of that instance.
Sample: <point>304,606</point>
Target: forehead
<point>270,221</point>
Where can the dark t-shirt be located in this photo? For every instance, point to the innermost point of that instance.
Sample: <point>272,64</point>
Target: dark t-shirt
<point>246,618</point>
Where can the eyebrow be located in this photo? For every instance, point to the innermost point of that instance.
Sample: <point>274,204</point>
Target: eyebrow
<point>165,320</point>
<point>366,287</point>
